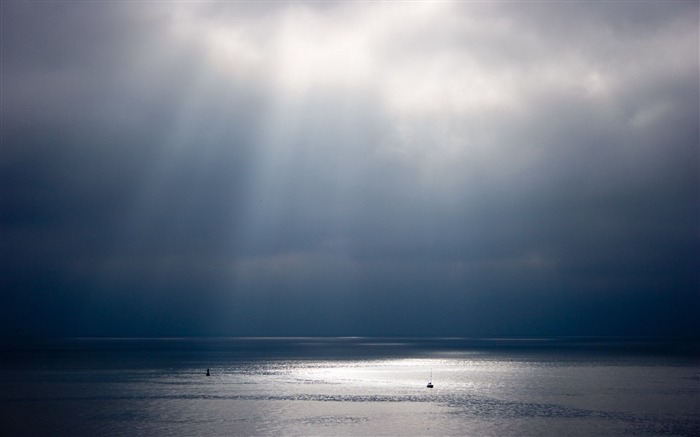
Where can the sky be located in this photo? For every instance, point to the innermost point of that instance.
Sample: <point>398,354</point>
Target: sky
<point>475,169</point>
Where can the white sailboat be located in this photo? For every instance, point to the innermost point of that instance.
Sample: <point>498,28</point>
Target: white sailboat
<point>430,383</point>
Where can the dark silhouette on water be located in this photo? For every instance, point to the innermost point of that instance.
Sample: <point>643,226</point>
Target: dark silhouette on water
<point>207,372</point>
<point>430,383</point>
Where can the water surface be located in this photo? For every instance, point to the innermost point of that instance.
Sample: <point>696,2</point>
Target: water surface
<point>350,386</point>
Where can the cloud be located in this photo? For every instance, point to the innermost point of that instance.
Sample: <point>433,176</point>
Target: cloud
<point>331,157</point>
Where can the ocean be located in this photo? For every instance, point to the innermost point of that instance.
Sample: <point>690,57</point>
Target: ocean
<point>349,386</point>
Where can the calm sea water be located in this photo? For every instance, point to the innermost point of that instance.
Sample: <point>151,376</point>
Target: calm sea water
<point>349,386</point>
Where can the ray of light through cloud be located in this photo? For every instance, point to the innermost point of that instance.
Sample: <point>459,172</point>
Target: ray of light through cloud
<point>309,167</point>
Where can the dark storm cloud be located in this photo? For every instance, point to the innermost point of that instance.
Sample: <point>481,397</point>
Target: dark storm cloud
<point>272,169</point>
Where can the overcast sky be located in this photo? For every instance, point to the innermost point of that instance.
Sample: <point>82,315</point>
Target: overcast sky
<point>350,168</point>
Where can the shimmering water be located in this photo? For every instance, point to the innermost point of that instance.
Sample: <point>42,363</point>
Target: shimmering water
<point>349,386</point>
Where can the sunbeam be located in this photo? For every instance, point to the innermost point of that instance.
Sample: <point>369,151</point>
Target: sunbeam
<point>275,168</point>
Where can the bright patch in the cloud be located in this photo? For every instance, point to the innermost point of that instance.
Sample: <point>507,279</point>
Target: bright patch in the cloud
<point>311,52</point>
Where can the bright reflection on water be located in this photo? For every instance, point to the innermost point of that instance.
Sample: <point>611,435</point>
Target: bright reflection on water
<point>348,387</point>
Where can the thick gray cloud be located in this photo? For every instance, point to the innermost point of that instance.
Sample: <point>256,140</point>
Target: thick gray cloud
<point>350,168</point>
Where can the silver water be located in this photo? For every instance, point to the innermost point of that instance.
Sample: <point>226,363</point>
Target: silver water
<point>349,387</point>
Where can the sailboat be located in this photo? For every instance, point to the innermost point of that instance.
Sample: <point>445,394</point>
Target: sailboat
<point>430,383</point>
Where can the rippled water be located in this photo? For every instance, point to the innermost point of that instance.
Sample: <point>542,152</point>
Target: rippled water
<point>344,386</point>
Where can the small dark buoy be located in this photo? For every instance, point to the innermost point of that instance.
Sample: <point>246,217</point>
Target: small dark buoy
<point>207,372</point>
